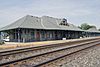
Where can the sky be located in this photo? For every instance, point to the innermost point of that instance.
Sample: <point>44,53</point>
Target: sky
<point>76,11</point>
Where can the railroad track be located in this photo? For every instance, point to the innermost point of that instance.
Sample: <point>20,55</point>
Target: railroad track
<point>47,56</point>
<point>8,55</point>
<point>21,50</point>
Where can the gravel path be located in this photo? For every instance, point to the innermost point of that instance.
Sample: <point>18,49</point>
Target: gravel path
<point>91,59</point>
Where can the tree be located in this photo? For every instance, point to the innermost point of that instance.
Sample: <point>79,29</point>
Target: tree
<point>86,26</point>
<point>92,26</point>
<point>99,29</point>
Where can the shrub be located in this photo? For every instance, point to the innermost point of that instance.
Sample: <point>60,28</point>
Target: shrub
<point>1,42</point>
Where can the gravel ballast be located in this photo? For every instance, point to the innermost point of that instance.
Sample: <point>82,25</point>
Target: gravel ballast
<point>86,58</point>
<point>90,59</point>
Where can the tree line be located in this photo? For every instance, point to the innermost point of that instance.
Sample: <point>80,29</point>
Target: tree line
<point>86,26</point>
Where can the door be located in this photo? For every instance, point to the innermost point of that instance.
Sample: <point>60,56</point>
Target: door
<point>38,35</point>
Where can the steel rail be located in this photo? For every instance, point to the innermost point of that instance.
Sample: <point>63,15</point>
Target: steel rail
<point>16,51</point>
<point>11,62</point>
<point>46,62</point>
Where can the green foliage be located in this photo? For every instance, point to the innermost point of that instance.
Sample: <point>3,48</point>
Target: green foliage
<point>99,29</point>
<point>1,43</point>
<point>86,26</point>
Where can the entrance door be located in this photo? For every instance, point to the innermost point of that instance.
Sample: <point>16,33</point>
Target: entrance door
<point>38,35</point>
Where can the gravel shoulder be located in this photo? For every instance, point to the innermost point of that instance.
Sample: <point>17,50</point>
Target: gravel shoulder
<point>90,59</point>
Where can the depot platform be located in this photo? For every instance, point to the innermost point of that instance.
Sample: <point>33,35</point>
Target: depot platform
<point>10,45</point>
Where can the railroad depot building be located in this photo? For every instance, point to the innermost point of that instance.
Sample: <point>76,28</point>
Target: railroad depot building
<point>31,28</point>
<point>92,32</point>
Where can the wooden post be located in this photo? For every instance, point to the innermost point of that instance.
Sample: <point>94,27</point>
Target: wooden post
<point>18,35</point>
<point>15,35</point>
<point>23,33</point>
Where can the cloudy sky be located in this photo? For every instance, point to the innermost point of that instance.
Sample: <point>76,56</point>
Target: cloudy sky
<point>76,11</point>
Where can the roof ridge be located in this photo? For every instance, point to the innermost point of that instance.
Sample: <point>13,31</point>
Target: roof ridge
<point>25,17</point>
<point>42,23</point>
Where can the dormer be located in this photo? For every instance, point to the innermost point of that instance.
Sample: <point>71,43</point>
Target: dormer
<point>64,22</point>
